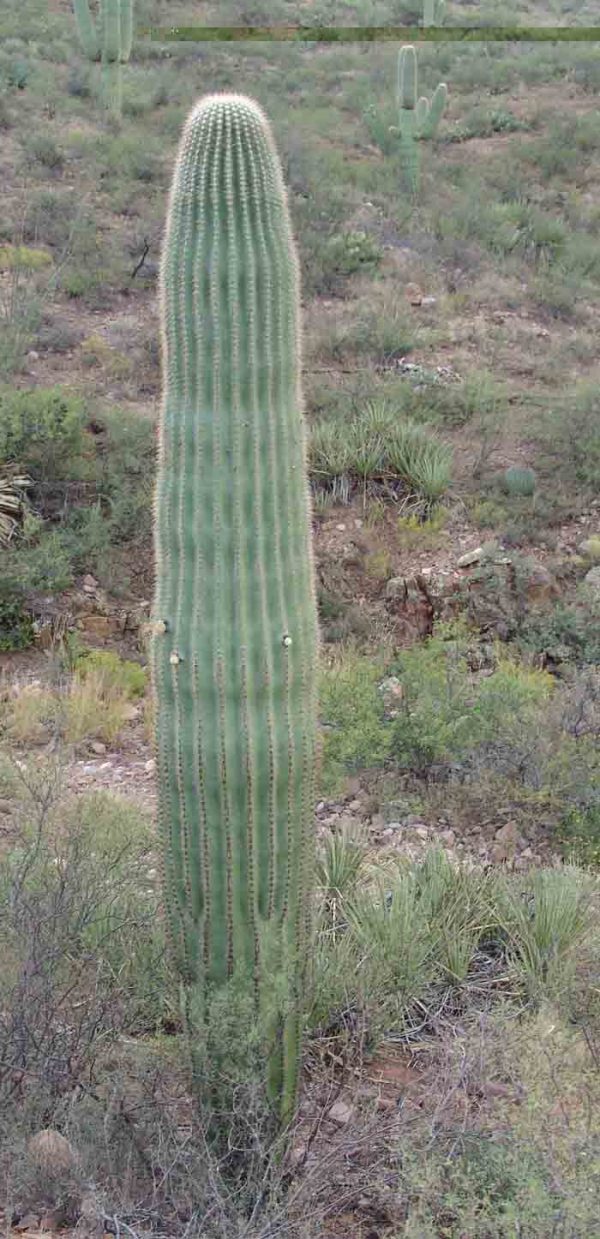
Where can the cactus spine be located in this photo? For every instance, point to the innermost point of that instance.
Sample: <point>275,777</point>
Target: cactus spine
<point>417,117</point>
<point>111,43</point>
<point>235,646</point>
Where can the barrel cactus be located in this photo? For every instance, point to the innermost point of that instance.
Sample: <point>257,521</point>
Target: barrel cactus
<point>234,628</point>
<point>417,116</point>
<point>109,40</point>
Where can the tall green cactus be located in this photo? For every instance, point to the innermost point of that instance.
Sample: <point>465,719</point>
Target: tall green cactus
<point>417,117</point>
<point>234,643</point>
<point>111,43</point>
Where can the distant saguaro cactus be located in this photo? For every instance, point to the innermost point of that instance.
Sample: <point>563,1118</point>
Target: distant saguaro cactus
<point>434,12</point>
<point>417,117</point>
<point>234,643</point>
<point>109,40</point>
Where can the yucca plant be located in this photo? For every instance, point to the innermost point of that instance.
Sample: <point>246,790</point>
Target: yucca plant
<point>544,926</point>
<point>330,454</point>
<point>339,861</point>
<point>423,462</point>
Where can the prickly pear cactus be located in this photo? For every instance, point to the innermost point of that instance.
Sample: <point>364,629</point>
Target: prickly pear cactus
<point>234,648</point>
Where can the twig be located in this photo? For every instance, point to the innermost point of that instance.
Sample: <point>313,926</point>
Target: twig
<point>142,260</point>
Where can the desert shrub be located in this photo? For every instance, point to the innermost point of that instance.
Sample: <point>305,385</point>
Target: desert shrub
<point>15,70</point>
<point>346,253</point>
<point>117,674</point>
<point>95,702</point>
<point>16,625</point>
<point>567,632</point>
<point>570,438</point>
<point>355,734</point>
<point>40,429</point>
<point>42,149</point>
<point>579,834</point>
<point>481,122</point>
<point>82,945</point>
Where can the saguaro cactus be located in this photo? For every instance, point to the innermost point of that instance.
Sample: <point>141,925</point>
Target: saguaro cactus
<point>110,41</point>
<point>434,12</point>
<point>417,117</point>
<point>234,643</point>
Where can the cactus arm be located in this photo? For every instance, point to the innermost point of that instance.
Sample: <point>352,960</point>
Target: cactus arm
<point>407,77</point>
<point>421,113</point>
<point>234,669</point>
<point>87,29</point>
<point>436,110</point>
<point>434,12</point>
<point>126,32</point>
<point>428,12</point>
<point>111,30</point>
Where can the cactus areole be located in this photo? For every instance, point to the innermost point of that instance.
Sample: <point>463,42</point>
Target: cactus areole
<point>234,648</point>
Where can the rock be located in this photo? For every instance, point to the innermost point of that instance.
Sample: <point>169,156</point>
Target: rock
<point>506,842</point>
<point>470,557</point>
<point>421,832</point>
<point>410,601</point>
<point>29,1221</point>
<point>97,625</point>
<point>51,1153</point>
<point>539,584</point>
<point>98,747</point>
<point>590,549</point>
<point>90,584</point>
<point>498,590</point>
<point>414,295</point>
<point>150,767</point>
<point>5,807</point>
<point>341,1113</point>
<point>448,838</point>
<point>591,582</point>
<point>32,355</point>
<point>428,302</point>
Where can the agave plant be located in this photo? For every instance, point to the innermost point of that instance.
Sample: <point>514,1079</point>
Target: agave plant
<point>12,505</point>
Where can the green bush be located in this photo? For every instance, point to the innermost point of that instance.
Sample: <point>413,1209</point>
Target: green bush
<point>355,734</point>
<point>116,673</point>
<point>567,632</point>
<point>350,252</point>
<point>41,430</point>
<point>16,626</point>
<point>579,833</point>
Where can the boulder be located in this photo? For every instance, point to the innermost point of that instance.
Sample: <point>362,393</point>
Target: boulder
<point>591,583</point>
